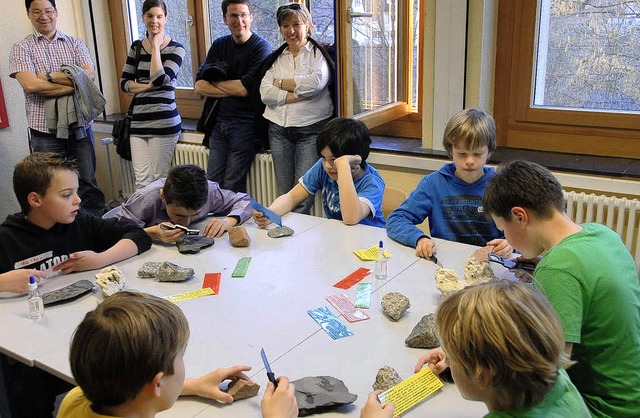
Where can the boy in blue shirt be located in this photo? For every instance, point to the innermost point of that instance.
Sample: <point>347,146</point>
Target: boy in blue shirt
<point>451,198</point>
<point>351,189</point>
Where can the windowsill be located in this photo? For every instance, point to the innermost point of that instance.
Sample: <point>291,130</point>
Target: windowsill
<point>385,147</point>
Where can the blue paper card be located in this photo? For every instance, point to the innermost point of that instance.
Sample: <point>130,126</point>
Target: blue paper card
<point>330,323</point>
<point>276,219</point>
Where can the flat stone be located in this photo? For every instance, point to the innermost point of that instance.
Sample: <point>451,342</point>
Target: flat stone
<point>242,389</point>
<point>149,269</point>
<point>193,244</point>
<point>169,272</point>
<point>279,232</point>
<point>386,378</point>
<point>317,394</point>
<point>239,237</point>
<point>423,334</point>
<point>395,304</point>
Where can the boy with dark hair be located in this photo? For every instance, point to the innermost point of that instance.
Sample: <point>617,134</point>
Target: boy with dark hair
<point>127,358</point>
<point>451,198</point>
<point>53,234</point>
<point>504,345</point>
<point>351,189</point>
<point>185,196</point>
<point>589,277</point>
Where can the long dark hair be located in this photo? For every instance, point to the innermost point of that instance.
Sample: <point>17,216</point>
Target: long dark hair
<point>149,4</point>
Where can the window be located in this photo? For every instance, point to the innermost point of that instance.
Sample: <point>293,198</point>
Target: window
<point>383,40</point>
<point>566,76</point>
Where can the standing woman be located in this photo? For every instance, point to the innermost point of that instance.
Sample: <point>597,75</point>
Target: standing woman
<point>156,123</point>
<point>295,90</point>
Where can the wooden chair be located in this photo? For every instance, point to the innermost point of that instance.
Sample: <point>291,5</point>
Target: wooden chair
<point>391,199</point>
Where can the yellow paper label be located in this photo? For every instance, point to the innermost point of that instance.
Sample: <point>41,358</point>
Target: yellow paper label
<point>406,394</point>
<point>193,294</point>
<point>370,254</point>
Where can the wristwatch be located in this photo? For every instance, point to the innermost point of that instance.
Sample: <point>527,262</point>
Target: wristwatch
<point>280,83</point>
<point>48,77</point>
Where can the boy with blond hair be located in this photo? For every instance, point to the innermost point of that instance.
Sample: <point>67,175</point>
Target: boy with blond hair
<point>451,198</point>
<point>504,345</point>
<point>127,358</point>
<point>589,277</point>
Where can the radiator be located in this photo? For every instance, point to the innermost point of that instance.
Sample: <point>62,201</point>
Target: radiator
<point>261,182</point>
<point>620,214</point>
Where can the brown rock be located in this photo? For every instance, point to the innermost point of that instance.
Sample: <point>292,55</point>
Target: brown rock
<point>239,237</point>
<point>241,389</point>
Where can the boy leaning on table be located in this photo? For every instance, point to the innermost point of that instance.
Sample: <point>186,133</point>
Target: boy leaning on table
<point>183,197</point>
<point>127,358</point>
<point>588,276</point>
<point>504,345</point>
<point>451,198</point>
<point>351,188</point>
<point>52,233</point>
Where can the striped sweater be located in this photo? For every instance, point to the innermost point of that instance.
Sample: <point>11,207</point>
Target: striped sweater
<point>155,113</point>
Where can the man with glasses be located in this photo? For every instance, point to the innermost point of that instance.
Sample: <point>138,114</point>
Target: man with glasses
<point>35,63</point>
<point>233,143</point>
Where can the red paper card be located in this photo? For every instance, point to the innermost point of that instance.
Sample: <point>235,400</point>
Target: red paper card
<point>212,280</point>
<point>353,278</point>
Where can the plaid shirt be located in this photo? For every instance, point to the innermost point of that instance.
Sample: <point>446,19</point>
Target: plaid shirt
<point>37,54</point>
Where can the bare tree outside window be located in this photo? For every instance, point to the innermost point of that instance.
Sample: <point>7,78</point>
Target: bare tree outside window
<point>588,55</point>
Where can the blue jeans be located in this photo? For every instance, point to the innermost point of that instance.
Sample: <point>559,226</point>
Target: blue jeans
<point>80,150</point>
<point>232,148</point>
<point>294,152</point>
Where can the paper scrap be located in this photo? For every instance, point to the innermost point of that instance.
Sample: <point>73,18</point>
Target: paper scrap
<point>342,303</point>
<point>353,278</point>
<point>408,393</point>
<point>212,280</point>
<point>329,323</point>
<point>363,295</point>
<point>193,294</point>
<point>370,254</point>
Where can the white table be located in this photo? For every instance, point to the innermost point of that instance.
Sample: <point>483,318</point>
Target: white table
<point>268,308</point>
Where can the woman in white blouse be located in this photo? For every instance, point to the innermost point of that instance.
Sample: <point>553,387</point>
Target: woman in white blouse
<point>296,91</point>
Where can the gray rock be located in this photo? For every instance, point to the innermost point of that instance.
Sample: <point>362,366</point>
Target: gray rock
<point>193,244</point>
<point>149,269</point>
<point>241,389</point>
<point>423,334</point>
<point>317,394</point>
<point>395,304</point>
<point>169,272</point>
<point>386,378</point>
<point>279,232</point>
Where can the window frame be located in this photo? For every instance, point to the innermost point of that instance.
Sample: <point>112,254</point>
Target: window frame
<point>519,124</point>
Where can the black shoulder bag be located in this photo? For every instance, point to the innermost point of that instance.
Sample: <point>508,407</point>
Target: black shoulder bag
<point>120,131</point>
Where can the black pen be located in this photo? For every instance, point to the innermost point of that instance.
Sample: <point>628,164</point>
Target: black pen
<point>270,375</point>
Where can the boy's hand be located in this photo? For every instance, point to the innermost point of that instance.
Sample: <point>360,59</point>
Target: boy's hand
<point>80,261</point>
<point>425,248</point>
<point>168,236</point>
<point>501,247</point>
<point>260,219</point>
<point>208,386</point>
<point>280,402</point>
<point>217,227</point>
<point>374,409</point>
<point>436,359</point>
<point>17,281</point>
<point>353,161</point>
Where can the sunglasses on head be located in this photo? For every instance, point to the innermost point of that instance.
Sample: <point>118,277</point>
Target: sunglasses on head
<point>291,6</point>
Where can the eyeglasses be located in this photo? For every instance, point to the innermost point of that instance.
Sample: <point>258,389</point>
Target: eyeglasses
<point>291,6</point>
<point>38,13</point>
<point>235,16</point>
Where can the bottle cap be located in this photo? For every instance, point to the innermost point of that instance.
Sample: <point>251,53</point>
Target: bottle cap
<point>381,246</point>
<point>32,283</point>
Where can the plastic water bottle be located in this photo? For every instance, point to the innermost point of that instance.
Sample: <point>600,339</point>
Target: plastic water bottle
<point>381,263</point>
<point>36,308</point>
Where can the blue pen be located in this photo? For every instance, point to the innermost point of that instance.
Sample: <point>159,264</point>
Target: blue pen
<point>270,375</point>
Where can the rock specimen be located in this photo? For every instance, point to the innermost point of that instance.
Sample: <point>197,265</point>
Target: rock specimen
<point>423,334</point>
<point>395,304</point>
<point>149,269</point>
<point>239,237</point>
<point>476,271</point>
<point>317,394</point>
<point>386,378</point>
<point>193,244</point>
<point>110,279</point>
<point>241,389</point>
<point>447,282</point>
<point>279,232</point>
<point>169,272</point>
<point>482,254</point>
